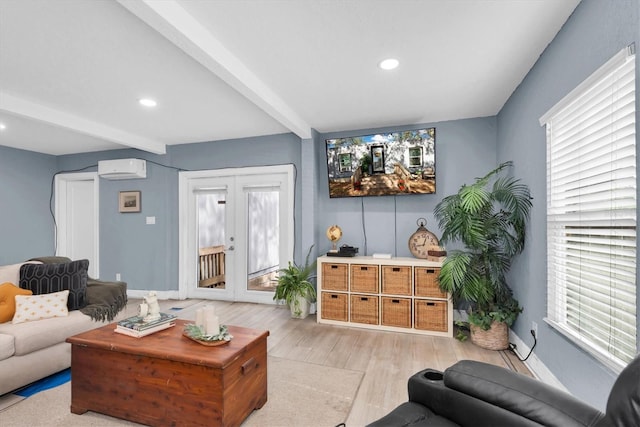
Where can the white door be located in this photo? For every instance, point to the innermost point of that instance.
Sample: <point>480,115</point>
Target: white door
<point>236,232</point>
<point>77,222</point>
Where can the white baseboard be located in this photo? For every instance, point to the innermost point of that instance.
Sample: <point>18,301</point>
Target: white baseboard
<point>535,365</point>
<point>139,294</point>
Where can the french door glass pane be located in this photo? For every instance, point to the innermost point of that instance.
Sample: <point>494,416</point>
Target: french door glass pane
<point>211,238</point>
<point>263,239</point>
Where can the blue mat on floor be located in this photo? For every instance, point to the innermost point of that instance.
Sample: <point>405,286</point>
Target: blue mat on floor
<point>45,383</point>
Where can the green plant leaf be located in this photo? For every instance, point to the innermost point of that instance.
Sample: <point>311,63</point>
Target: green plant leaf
<point>473,198</point>
<point>489,218</point>
<point>294,281</point>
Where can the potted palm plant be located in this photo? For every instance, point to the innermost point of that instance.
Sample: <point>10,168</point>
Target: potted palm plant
<point>489,218</point>
<point>294,287</point>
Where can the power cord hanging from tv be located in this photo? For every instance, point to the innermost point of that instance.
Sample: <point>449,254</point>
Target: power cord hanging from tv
<point>395,226</point>
<point>364,229</point>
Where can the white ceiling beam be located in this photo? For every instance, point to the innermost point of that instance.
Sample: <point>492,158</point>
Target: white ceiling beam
<point>172,21</point>
<point>32,110</point>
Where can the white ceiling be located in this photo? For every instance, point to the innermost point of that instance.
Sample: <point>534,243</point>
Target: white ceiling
<point>71,71</point>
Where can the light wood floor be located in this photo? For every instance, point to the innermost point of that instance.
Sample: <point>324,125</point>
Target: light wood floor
<point>386,359</point>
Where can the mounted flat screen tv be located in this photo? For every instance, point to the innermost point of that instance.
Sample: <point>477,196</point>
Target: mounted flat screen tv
<point>383,164</point>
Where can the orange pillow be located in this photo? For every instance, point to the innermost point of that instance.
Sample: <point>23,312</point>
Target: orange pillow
<point>8,292</point>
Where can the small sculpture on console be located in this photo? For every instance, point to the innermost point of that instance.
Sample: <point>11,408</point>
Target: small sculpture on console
<point>149,310</point>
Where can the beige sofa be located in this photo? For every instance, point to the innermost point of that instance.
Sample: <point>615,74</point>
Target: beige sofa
<point>33,350</point>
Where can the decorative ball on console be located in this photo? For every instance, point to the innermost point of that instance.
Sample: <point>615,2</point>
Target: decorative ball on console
<point>334,233</point>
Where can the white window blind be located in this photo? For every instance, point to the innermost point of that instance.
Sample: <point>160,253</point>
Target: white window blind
<point>591,213</point>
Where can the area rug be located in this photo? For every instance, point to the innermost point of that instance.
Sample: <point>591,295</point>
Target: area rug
<point>304,394</point>
<point>51,381</point>
<point>45,384</point>
<point>300,394</point>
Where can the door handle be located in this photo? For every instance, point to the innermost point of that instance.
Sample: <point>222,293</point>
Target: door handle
<point>230,248</point>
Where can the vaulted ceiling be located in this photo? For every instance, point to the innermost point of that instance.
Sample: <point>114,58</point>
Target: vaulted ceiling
<point>72,71</point>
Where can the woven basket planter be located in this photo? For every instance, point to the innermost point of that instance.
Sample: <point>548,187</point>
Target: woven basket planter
<point>495,338</point>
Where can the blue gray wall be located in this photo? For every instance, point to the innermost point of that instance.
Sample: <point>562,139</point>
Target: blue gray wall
<point>592,35</point>
<point>465,149</point>
<point>25,222</point>
<point>147,255</point>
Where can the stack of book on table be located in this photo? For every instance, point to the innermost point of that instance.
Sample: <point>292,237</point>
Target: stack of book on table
<point>135,326</point>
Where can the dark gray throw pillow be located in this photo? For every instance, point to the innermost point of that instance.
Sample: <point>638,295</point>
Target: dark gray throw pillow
<point>47,278</point>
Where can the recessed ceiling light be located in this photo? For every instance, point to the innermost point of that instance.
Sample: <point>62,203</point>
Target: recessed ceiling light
<point>147,102</point>
<point>389,64</point>
<point>3,126</point>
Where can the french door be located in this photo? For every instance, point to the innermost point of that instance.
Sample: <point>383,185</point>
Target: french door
<point>236,232</point>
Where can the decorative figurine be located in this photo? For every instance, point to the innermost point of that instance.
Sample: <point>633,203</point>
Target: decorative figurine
<point>149,310</point>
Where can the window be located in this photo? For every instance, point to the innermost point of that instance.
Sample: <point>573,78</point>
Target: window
<point>415,157</point>
<point>591,213</point>
<point>345,162</point>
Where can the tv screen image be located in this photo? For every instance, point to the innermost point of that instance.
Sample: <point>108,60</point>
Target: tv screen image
<point>382,164</point>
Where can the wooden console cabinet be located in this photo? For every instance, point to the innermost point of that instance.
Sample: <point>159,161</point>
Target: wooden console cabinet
<point>396,294</point>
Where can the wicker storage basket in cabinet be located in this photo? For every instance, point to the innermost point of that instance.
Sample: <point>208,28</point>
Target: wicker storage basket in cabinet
<point>431,315</point>
<point>364,309</point>
<point>335,277</point>
<point>427,283</point>
<point>364,278</point>
<point>396,280</point>
<point>396,312</point>
<point>335,306</point>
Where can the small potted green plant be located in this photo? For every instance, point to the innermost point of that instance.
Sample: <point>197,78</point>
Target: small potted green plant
<point>489,218</point>
<point>295,288</point>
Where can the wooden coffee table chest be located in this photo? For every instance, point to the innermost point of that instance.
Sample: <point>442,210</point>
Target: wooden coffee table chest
<point>166,379</point>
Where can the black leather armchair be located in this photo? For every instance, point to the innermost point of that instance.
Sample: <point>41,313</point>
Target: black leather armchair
<point>476,394</point>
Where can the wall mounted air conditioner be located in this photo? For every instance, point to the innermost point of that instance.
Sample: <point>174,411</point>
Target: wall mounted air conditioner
<point>122,169</point>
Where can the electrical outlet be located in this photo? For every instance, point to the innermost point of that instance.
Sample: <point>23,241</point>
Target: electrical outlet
<point>118,277</point>
<point>534,328</point>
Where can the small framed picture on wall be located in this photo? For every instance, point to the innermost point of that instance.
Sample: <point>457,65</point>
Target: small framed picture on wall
<point>129,201</point>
